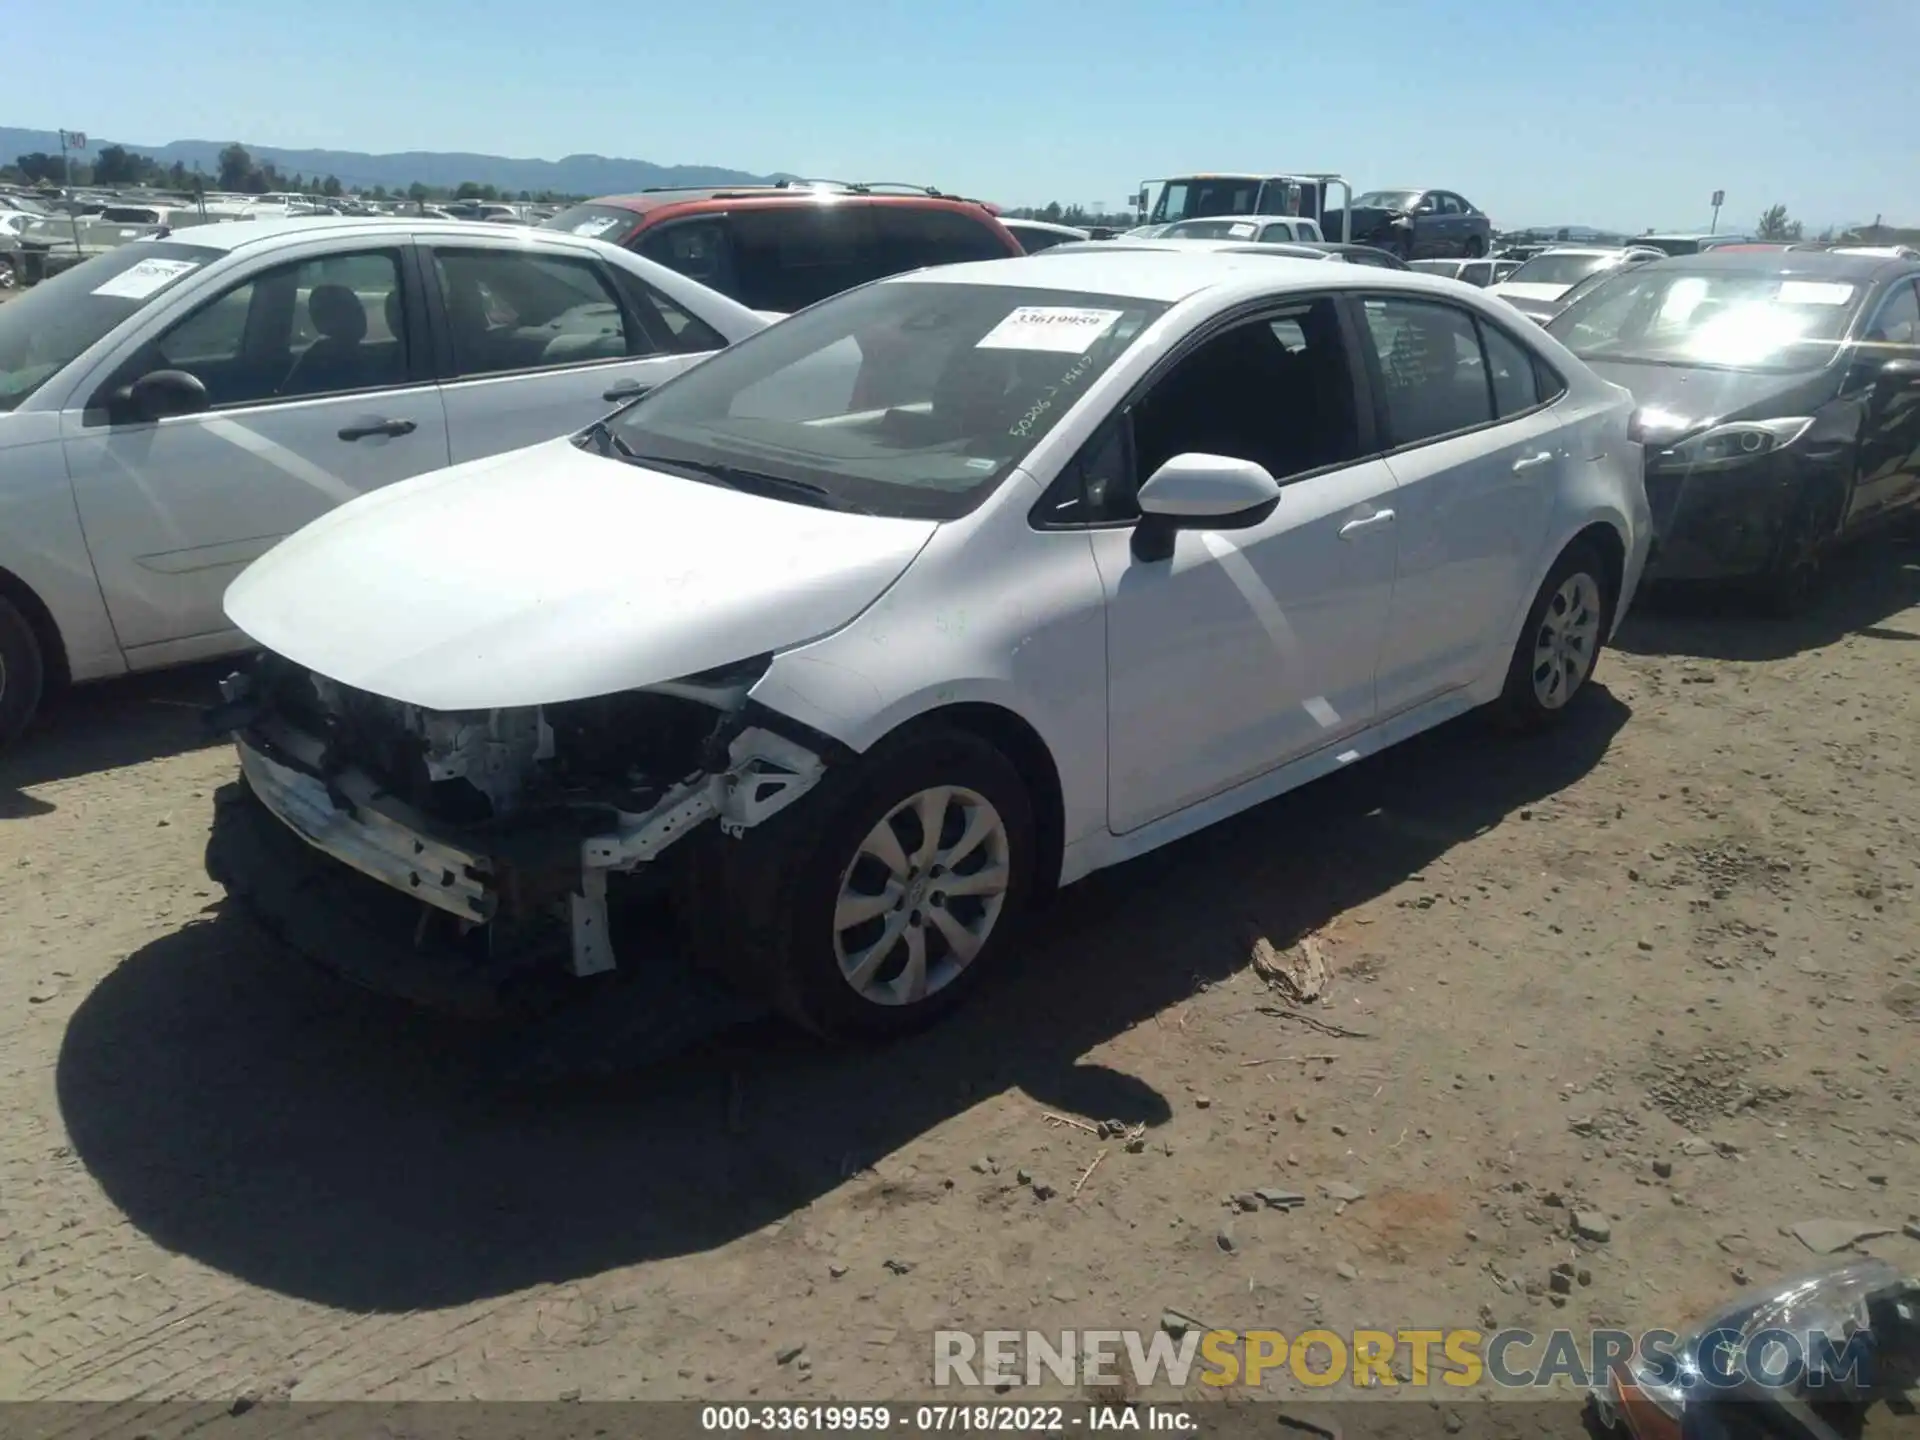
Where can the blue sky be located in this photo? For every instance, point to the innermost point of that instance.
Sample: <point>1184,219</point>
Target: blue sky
<point>1609,112</point>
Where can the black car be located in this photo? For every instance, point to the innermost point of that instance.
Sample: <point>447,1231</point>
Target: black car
<point>1779,397</point>
<point>1415,224</point>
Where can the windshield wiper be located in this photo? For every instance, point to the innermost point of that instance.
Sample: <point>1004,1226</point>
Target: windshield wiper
<point>610,444</point>
<point>756,482</point>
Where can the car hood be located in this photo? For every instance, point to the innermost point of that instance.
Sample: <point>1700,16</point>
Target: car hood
<point>551,573</point>
<point>1675,401</point>
<point>1507,290</point>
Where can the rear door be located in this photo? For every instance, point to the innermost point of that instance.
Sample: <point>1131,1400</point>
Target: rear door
<point>534,342</point>
<point>319,387</point>
<point>1476,452</point>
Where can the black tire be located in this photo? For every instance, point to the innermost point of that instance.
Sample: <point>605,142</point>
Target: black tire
<point>1521,705</point>
<point>781,882</point>
<point>1796,579</point>
<point>22,673</point>
<point>1476,247</point>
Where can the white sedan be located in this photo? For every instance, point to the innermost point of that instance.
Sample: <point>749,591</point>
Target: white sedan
<point>941,594</point>
<point>172,408</point>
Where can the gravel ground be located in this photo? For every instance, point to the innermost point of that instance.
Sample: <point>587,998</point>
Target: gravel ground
<point>1659,966</point>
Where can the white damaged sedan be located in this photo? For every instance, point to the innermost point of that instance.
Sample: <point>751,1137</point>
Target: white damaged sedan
<point>842,648</point>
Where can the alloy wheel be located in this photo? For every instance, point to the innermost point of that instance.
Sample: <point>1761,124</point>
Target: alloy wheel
<point>921,895</point>
<point>1568,640</point>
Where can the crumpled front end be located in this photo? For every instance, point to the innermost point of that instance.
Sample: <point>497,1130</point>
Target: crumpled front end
<point>482,848</point>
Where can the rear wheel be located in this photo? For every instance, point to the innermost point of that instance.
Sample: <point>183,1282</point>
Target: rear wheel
<point>22,672</point>
<point>889,892</point>
<point>1560,643</point>
<point>1476,247</point>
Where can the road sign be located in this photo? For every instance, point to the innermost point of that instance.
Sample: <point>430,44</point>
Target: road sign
<point>1719,198</point>
<point>73,139</point>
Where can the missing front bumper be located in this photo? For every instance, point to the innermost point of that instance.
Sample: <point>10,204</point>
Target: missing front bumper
<point>348,818</point>
<point>484,893</point>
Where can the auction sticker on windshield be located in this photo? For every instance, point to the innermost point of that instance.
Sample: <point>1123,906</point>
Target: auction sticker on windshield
<point>1813,292</point>
<point>1063,328</point>
<point>599,225</point>
<point>140,280</point>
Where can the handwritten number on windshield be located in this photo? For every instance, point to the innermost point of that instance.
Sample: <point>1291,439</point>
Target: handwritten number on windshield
<point>1023,427</point>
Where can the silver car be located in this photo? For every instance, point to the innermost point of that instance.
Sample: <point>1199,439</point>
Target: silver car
<point>172,408</point>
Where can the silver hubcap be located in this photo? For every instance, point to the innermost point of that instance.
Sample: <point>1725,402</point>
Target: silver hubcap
<point>1569,635</point>
<point>921,896</point>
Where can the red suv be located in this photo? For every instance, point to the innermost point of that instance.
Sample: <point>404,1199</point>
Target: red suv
<point>781,247</point>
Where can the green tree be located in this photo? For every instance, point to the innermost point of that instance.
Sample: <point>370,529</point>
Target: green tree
<point>416,192</point>
<point>115,166</point>
<point>1774,225</point>
<point>1052,212</point>
<point>235,167</point>
<point>38,165</point>
<point>379,192</point>
<point>331,187</point>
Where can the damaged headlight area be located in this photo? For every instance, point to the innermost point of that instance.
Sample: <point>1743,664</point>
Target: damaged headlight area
<point>512,827</point>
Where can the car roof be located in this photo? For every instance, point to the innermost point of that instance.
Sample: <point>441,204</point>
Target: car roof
<point>1156,272</point>
<point>239,234</point>
<point>1050,226</point>
<point>1822,264</point>
<point>1236,219</point>
<point>644,202</point>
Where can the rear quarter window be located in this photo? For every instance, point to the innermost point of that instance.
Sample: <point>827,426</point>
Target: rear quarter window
<point>909,238</point>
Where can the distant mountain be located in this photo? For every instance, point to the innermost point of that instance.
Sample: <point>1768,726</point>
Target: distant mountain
<point>574,175</point>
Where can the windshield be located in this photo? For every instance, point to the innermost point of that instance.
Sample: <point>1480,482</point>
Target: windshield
<point>1198,199</point>
<point>1561,269</point>
<point>1387,200</point>
<point>905,399</point>
<point>1732,319</point>
<point>47,327</point>
<point>597,222</point>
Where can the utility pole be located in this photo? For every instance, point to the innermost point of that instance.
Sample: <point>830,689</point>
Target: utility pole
<point>69,142</point>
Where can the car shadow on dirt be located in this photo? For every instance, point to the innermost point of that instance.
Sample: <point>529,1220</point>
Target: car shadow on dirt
<point>109,726</point>
<point>265,1120</point>
<point>1869,584</point>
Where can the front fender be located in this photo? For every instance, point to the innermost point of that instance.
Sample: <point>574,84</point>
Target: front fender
<point>43,547</point>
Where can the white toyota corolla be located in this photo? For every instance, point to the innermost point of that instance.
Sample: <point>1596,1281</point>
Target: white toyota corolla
<point>851,642</point>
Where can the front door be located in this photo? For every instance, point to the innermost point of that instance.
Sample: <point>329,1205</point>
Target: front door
<point>543,343</point>
<point>1246,649</point>
<point>1889,465</point>
<point>318,390</point>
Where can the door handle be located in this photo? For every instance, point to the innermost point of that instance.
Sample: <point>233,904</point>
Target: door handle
<point>378,427</point>
<point>1531,462</point>
<point>625,390</point>
<point>1354,527</point>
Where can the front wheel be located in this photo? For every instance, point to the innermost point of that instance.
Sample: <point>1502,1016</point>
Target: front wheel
<point>1560,643</point>
<point>1793,582</point>
<point>890,892</point>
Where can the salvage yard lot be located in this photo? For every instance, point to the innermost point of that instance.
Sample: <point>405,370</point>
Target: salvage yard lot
<point>1681,929</point>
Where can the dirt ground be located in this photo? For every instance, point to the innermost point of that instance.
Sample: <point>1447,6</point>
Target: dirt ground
<point>1661,965</point>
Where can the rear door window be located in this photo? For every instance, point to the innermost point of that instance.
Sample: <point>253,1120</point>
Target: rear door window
<point>517,310</point>
<point>1433,377</point>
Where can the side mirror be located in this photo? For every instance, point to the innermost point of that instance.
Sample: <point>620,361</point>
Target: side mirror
<point>1201,492</point>
<point>161,394</point>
